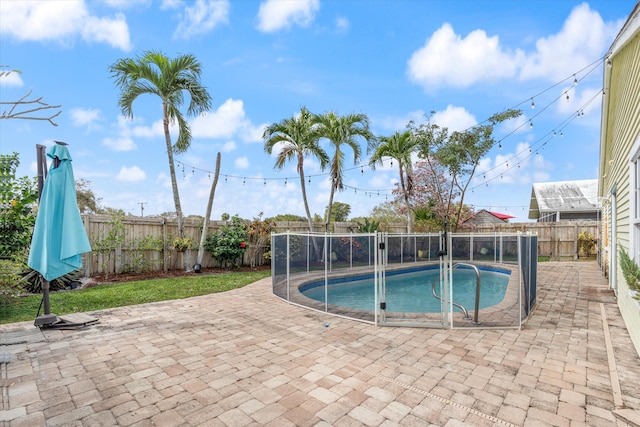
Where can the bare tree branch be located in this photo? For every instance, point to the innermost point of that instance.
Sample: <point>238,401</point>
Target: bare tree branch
<point>38,105</point>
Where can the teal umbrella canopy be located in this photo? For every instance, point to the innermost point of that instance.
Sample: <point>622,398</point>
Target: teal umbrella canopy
<point>59,237</point>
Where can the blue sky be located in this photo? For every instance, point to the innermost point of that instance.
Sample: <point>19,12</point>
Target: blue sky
<point>262,60</point>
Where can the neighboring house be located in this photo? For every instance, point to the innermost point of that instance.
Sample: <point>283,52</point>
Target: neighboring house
<point>565,201</point>
<point>484,217</point>
<point>619,183</point>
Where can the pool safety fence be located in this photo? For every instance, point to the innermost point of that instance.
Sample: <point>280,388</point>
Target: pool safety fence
<point>440,280</point>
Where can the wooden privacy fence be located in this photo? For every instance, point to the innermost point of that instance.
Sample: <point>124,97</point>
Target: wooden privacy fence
<point>146,243</point>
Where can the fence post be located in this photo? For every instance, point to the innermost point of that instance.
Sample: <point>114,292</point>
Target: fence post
<point>576,254</point>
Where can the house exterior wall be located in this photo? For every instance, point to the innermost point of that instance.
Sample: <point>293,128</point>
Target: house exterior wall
<point>620,136</point>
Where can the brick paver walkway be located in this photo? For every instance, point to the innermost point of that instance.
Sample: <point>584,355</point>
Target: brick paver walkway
<point>246,358</point>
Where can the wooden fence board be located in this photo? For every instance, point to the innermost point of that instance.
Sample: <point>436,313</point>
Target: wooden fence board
<point>555,240</point>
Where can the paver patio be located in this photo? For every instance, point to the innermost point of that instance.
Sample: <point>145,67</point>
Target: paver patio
<point>246,358</point>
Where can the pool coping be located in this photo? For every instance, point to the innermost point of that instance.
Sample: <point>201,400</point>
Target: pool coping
<point>502,314</point>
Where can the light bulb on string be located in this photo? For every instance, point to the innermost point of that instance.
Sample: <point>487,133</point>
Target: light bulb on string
<point>265,182</point>
<point>193,171</point>
<point>244,181</point>
<point>225,178</point>
<point>285,182</point>
<point>500,145</point>
<point>575,80</point>
<point>533,105</point>
<point>567,95</point>
<point>209,176</point>
<point>361,170</point>
<point>530,124</point>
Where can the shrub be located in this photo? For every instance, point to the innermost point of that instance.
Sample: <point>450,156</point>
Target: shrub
<point>630,271</point>
<point>9,281</point>
<point>227,245</point>
<point>586,243</point>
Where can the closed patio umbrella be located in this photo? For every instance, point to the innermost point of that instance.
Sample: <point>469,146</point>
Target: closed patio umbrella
<point>59,237</point>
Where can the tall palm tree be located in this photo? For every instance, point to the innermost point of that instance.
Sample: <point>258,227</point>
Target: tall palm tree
<point>298,139</point>
<point>399,146</point>
<point>154,74</point>
<point>342,130</point>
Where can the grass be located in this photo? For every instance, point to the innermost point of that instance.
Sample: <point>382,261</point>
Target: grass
<point>127,293</point>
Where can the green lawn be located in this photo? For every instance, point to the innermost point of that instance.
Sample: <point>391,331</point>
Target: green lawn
<point>128,293</point>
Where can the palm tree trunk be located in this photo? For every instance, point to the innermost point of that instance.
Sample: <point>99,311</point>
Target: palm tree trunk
<point>205,225</point>
<point>304,198</point>
<point>406,197</point>
<point>316,250</point>
<point>172,171</point>
<point>333,189</point>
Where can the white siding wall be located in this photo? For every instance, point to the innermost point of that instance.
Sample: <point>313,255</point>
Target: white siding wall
<point>622,130</point>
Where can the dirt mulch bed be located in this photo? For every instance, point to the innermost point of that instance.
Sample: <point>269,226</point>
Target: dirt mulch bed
<point>129,277</point>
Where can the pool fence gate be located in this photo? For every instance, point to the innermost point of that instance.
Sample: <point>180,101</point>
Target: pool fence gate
<point>439,280</point>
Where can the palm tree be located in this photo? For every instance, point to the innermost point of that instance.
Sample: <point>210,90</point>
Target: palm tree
<point>298,139</point>
<point>341,130</point>
<point>399,146</point>
<point>155,74</point>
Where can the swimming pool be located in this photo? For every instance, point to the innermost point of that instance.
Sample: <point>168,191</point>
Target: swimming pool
<point>410,292</point>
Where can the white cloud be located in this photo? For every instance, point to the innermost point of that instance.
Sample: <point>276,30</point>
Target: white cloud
<point>170,4</point>
<point>241,162</point>
<point>228,146</point>
<point>342,25</point>
<point>400,123</point>
<point>9,77</point>
<point>156,129</point>
<point>85,117</point>
<point>201,17</point>
<point>275,15</point>
<point>506,167</point>
<point>119,144</point>
<point>132,174</point>
<point>127,4</point>
<point>550,59</point>
<point>450,60</point>
<point>253,133</point>
<point>583,101</point>
<point>454,118</point>
<point>62,21</point>
<point>228,120</point>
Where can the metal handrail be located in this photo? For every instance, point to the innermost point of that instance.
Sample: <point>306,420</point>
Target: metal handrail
<point>460,306</point>
<point>477,306</point>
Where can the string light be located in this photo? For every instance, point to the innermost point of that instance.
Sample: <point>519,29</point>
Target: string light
<point>589,69</point>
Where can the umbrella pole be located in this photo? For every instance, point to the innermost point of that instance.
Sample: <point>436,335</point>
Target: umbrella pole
<point>47,318</point>
<point>45,297</point>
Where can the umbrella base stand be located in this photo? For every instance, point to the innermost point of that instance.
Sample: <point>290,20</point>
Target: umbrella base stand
<point>67,321</point>
<point>46,320</point>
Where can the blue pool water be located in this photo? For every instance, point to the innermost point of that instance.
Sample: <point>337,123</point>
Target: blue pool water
<point>411,292</point>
